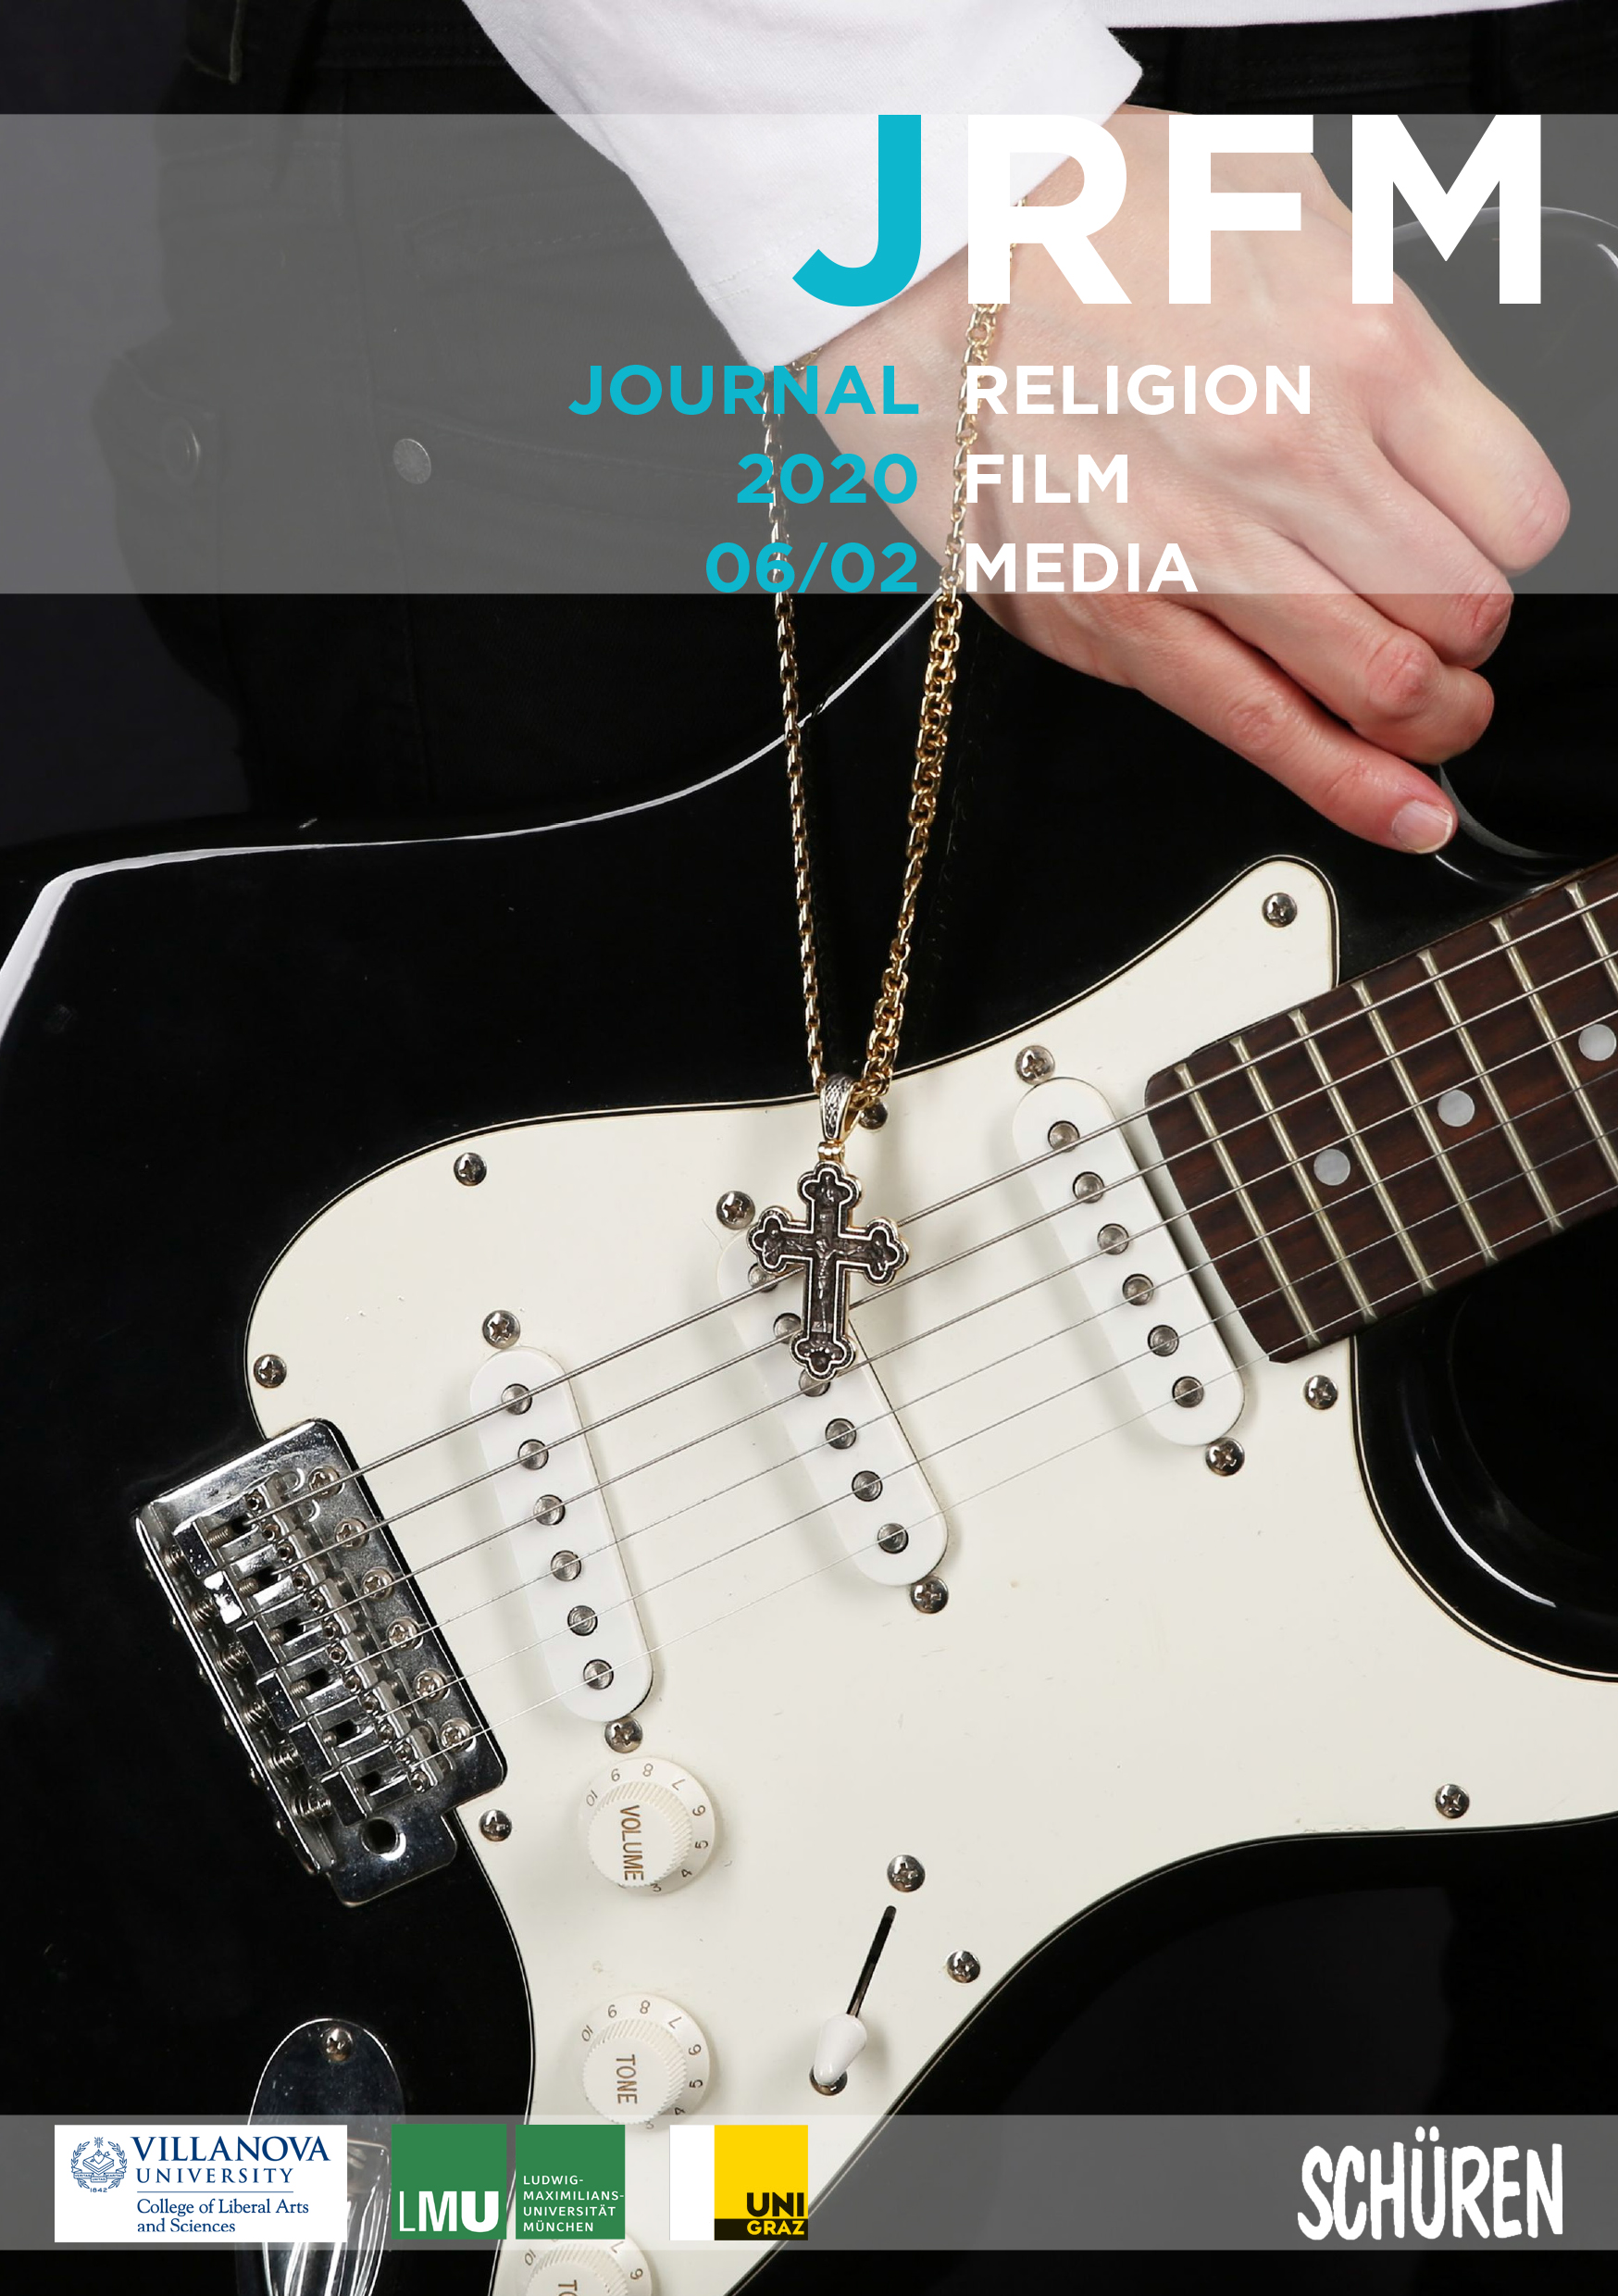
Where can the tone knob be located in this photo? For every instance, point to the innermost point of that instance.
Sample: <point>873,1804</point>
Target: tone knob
<point>644,2056</point>
<point>648,1825</point>
<point>590,2268</point>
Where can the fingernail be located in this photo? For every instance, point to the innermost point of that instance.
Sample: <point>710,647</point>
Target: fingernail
<point>1422,827</point>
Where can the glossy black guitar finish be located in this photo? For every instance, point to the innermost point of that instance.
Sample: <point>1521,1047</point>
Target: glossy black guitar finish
<point>203,1054</point>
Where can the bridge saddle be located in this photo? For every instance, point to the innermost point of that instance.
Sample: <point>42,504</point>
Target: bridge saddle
<point>304,1618</point>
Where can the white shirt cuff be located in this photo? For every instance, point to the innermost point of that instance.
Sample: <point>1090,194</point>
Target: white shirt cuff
<point>749,165</point>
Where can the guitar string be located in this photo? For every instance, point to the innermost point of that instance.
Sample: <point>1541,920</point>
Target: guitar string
<point>1329,1266</point>
<point>1260,1116</point>
<point>921,1459</point>
<point>1501,949</point>
<point>877,1418</point>
<point>1492,1131</point>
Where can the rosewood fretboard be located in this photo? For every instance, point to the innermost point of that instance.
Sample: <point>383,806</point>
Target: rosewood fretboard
<point>1362,1151</point>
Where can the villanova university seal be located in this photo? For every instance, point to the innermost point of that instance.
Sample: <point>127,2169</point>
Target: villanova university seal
<point>98,2163</point>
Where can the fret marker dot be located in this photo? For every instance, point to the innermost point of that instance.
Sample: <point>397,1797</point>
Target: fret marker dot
<point>1456,1108</point>
<point>1597,1042</point>
<point>1332,1168</point>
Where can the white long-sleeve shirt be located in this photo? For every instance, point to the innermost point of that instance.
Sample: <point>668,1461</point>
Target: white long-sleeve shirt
<point>749,125</point>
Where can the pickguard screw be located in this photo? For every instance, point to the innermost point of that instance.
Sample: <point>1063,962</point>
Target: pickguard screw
<point>1034,1064</point>
<point>1280,909</point>
<point>893,1538</point>
<point>734,1209</point>
<point>624,1735</point>
<point>494,1826</point>
<point>906,1872</point>
<point>964,1967</point>
<point>1224,1457</point>
<point>1062,1134</point>
<point>501,1328</point>
<point>270,1371</point>
<point>1320,1392</point>
<point>598,1674</point>
<point>1451,1802</point>
<point>565,1565</point>
<point>929,1596</point>
<point>471,1170</point>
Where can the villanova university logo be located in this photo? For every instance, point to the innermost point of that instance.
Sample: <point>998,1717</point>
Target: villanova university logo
<point>99,2164</point>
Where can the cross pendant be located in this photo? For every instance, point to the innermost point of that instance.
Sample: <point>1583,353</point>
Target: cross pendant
<point>827,1251</point>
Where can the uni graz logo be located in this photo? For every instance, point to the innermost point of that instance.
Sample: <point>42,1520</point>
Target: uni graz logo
<point>731,2182</point>
<point>761,2183</point>
<point>98,2163</point>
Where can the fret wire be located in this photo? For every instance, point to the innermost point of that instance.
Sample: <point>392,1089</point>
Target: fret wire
<point>1419,1111</point>
<point>1602,945</point>
<point>1481,1071</point>
<point>1350,1131</point>
<point>1553,1037</point>
<point>1304,1177</point>
<point>1217,1141</point>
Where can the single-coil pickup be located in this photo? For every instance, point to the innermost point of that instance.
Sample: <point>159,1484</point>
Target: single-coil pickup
<point>562,1535</point>
<point>1142,1304</point>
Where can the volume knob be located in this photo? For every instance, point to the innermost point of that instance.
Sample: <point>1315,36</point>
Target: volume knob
<point>643,2056</point>
<point>648,1825</point>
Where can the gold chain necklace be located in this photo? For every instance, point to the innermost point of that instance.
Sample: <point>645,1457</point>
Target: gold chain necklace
<point>822,1245</point>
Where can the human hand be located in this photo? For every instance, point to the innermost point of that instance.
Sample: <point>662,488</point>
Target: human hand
<point>1348,562</point>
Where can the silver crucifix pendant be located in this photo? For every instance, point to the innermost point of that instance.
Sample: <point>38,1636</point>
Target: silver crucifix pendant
<point>828,1251</point>
<point>825,1246</point>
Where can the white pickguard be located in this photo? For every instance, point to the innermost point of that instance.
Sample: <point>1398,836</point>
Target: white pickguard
<point>1139,1661</point>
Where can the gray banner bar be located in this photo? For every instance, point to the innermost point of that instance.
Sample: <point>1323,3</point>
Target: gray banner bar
<point>335,354</point>
<point>1000,2184</point>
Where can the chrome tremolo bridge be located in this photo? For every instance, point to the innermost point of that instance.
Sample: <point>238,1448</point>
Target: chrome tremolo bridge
<point>326,1658</point>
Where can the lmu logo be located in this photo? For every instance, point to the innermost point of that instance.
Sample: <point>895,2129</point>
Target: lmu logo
<point>450,2181</point>
<point>437,2212</point>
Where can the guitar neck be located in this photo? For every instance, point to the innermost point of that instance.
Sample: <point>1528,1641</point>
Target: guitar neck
<point>1362,1151</point>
